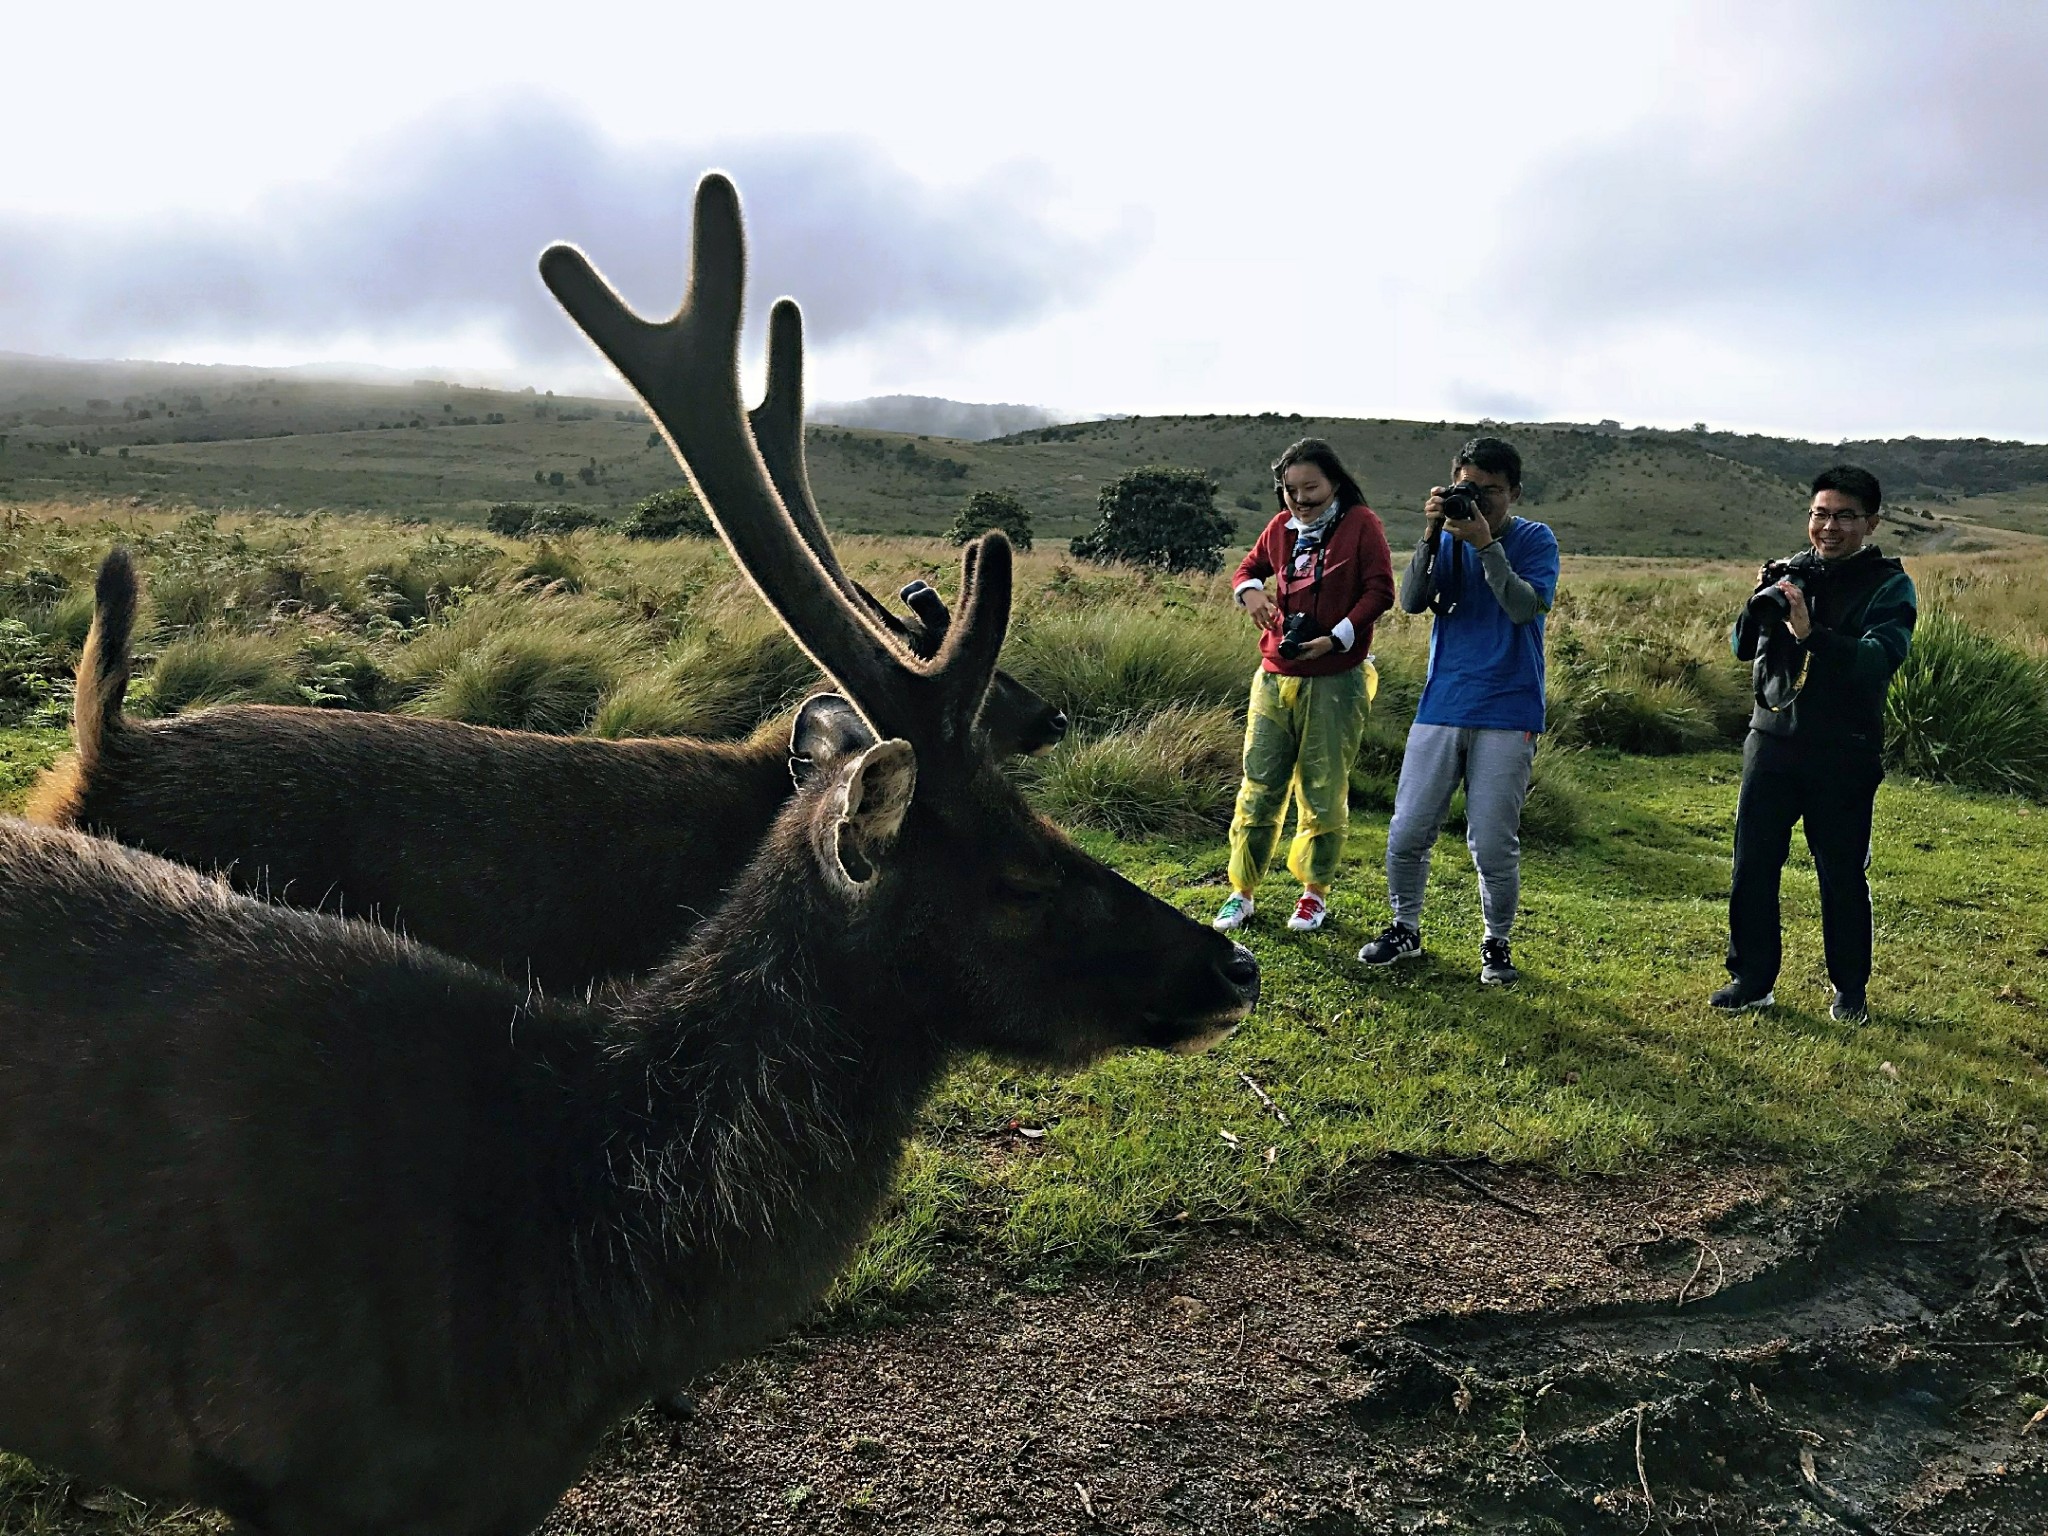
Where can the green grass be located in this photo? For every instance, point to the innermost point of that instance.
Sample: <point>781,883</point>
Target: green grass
<point>24,754</point>
<point>1605,1059</point>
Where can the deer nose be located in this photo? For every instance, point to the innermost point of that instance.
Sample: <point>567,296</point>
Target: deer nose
<point>1056,727</point>
<point>1241,970</point>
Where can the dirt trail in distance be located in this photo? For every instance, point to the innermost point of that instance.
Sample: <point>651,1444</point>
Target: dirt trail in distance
<point>1428,1359</point>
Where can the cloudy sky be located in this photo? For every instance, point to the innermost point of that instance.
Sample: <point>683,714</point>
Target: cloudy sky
<point>1821,218</point>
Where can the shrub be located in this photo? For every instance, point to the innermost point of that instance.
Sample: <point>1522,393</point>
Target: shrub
<point>30,678</point>
<point>553,522</point>
<point>336,674</point>
<point>992,509</point>
<point>224,669</point>
<point>1160,517</point>
<point>509,518</point>
<point>672,514</point>
<point>1966,709</point>
<point>1173,776</point>
<point>548,567</point>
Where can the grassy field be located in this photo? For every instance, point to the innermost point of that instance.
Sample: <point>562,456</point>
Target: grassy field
<point>1605,1058</point>
<point>240,441</point>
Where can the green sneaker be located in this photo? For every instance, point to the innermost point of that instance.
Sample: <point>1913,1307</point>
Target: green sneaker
<point>1235,912</point>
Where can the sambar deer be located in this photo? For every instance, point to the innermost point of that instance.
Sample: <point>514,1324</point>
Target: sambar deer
<point>566,861</point>
<point>309,1222</point>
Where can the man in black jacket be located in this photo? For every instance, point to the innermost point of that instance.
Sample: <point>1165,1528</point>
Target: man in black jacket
<point>1825,632</point>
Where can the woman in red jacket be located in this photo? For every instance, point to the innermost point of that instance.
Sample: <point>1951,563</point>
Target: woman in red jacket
<point>1309,697</point>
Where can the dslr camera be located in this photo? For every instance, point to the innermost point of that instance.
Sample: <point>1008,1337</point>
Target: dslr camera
<point>1463,501</point>
<point>1767,602</point>
<point>1296,630</point>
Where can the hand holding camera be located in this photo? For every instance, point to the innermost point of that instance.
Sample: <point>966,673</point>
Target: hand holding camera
<point>1462,509</point>
<point>1299,632</point>
<point>1781,595</point>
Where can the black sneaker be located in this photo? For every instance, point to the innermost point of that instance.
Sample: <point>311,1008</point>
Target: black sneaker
<point>1735,997</point>
<point>1496,969</point>
<point>1849,1008</point>
<point>1398,942</point>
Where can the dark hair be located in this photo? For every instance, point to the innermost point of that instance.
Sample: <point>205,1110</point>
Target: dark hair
<point>1495,455</point>
<point>1313,450</point>
<point>1851,481</point>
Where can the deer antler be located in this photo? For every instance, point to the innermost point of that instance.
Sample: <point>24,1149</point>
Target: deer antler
<point>686,369</point>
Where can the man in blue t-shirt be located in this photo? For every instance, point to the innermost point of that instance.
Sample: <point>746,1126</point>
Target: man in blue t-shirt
<point>1489,577</point>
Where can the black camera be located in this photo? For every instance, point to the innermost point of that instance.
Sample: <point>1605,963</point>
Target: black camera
<point>1463,500</point>
<point>1296,630</point>
<point>1767,602</point>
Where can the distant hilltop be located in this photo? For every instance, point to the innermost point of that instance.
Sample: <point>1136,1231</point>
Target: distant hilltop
<point>928,416</point>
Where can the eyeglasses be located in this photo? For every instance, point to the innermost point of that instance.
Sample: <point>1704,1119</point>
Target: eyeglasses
<point>1837,519</point>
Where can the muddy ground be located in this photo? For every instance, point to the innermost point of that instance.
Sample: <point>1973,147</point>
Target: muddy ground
<point>1707,1352</point>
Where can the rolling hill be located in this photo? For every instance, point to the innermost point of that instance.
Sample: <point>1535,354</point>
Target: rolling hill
<point>242,438</point>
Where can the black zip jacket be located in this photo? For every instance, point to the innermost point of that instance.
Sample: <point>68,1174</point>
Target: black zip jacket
<point>1863,609</point>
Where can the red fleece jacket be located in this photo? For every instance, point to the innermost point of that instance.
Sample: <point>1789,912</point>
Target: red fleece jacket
<point>1357,584</point>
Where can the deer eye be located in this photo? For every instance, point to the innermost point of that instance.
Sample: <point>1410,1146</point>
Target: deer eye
<point>1020,885</point>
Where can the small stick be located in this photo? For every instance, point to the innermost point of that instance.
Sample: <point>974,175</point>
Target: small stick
<point>1087,1504</point>
<point>1264,1097</point>
<point>1720,1273</point>
<point>1642,1476</point>
<point>1494,1195</point>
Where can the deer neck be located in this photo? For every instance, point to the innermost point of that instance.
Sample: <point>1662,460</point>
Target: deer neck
<point>762,1087</point>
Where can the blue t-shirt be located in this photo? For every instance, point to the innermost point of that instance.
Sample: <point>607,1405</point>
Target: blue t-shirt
<point>1485,670</point>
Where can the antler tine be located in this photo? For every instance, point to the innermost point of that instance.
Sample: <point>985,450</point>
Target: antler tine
<point>778,423</point>
<point>967,660</point>
<point>686,369</point>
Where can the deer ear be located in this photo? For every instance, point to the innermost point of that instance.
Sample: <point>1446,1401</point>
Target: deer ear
<point>827,729</point>
<point>871,802</point>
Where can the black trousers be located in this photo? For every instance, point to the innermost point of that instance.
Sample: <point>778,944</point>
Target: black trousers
<point>1832,792</point>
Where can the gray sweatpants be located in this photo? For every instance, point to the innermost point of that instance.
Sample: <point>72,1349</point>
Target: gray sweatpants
<point>1494,767</point>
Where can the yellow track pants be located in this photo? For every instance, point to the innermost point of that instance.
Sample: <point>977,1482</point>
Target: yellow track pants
<point>1299,745</point>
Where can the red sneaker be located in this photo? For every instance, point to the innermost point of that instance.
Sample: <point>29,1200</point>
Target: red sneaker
<point>1309,913</point>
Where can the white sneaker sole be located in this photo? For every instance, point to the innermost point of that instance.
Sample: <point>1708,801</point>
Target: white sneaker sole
<point>1230,924</point>
<point>1301,926</point>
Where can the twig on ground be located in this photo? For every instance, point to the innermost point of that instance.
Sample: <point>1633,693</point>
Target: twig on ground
<point>1466,1179</point>
<point>1087,1504</point>
<point>1263,1097</point>
<point>2039,1294</point>
<point>1720,1273</point>
<point>1643,1476</point>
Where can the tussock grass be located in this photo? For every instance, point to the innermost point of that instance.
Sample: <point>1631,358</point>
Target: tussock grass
<point>1173,775</point>
<point>1106,666</point>
<point>224,669</point>
<point>1968,709</point>
<point>517,663</point>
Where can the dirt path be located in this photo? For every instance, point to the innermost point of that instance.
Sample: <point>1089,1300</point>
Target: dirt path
<point>1429,1360</point>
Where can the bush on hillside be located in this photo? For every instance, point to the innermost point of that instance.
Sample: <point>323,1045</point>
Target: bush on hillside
<point>509,518</point>
<point>992,509</point>
<point>675,513</point>
<point>553,522</point>
<point>1160,517</point>
<point>1969,710</point>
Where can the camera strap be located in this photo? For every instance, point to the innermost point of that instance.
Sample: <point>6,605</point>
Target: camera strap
<point>1446,588</point>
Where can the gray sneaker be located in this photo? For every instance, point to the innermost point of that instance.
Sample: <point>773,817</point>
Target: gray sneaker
<point>1398,942</point>
<point>1496,969</point>
<point>1735,997</point>
<point>1849,1008</point>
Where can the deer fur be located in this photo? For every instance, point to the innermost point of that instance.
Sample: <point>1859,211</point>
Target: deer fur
<point>309,1222</point>
<point>565,861</point>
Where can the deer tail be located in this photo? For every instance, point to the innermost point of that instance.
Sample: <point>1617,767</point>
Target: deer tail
<point>103,668</point>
